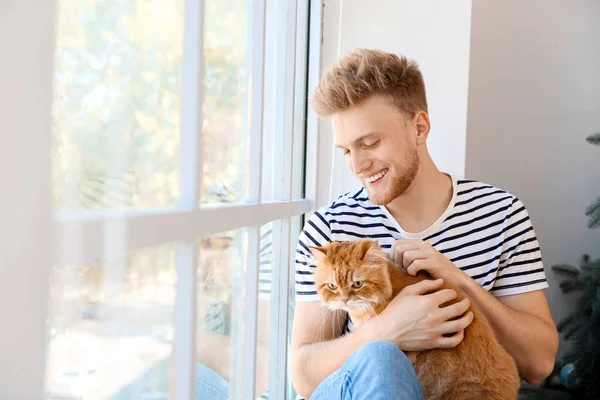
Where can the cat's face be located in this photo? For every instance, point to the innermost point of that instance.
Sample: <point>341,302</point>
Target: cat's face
<point>352,276</point>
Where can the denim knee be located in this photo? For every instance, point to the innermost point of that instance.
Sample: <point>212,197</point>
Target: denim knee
<point>378,370</point>
<point>380,349</point>
<point>382,355</point>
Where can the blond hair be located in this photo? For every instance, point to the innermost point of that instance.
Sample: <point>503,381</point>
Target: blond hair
<point>365,72</point>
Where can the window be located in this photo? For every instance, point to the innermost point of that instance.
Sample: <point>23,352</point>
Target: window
<point>111,326</point>
<point>117,104</point>
<point>178,161</point>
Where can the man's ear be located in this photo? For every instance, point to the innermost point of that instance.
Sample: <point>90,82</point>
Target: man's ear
<point>423,125</point>
<point>320,253</point>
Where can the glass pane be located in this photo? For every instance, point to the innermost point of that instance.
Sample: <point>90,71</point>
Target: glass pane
<point>221,309</point>
<point>266,335</point>
<point>111,327</point>
<point>220,303</point>
<point>271,142</point>
<point>224,147</point>
<point>117,103</point>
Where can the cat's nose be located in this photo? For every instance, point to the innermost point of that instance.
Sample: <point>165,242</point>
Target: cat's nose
<point>344,300</point>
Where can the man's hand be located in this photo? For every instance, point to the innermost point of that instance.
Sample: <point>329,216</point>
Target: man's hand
<point>417,255</point>
<point>415,321</point>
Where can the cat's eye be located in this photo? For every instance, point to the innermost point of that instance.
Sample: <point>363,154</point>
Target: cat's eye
<point>357,284</point>
<point>331,286</point>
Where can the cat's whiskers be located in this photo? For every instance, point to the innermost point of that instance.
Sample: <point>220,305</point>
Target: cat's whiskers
<point>337,306</point>
<point>370,307</point>
<point>367,307</point>
<point>337,327</point>
<point>324,313</point>
<point>336,324</point>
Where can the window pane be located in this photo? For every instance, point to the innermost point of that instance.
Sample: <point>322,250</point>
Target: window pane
<point>111,326</point>
<point>224,144</point>
<point>222,309</point>
<point>266,334</point>
<point>220,302</point>
<point>272,144</point>
<point>117,103</point>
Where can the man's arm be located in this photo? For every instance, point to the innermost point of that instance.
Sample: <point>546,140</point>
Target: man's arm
<point>523,325</point>
<point>522,322</point>
<point>317,348</point>
<point>414,320</point>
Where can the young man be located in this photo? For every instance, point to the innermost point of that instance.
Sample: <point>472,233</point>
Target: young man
<point>466,233</point>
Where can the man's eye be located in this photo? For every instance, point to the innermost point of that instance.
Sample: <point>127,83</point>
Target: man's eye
<point>331,286</point>
<point>370,146</point>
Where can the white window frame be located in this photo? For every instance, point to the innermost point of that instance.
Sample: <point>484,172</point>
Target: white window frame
<point>33,238</point>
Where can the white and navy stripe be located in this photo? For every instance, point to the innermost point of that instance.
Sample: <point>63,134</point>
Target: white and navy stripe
<point>265,261</point>
<point>485,232</point>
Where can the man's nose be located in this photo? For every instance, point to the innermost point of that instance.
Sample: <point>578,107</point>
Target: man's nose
<point>359,164</point>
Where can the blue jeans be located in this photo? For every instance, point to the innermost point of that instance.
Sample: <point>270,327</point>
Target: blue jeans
<point>209,384</point>
<point>376,371</point>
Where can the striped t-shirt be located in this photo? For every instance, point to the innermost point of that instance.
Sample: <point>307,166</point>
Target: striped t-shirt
<point>485,231</point>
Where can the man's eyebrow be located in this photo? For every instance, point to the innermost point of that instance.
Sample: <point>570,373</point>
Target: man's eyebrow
<point>359,139</point>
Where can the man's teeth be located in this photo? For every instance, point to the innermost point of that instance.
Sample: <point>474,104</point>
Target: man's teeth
<point>375,177</point>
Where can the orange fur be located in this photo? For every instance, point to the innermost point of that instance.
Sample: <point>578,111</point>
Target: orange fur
<point>477,369</point>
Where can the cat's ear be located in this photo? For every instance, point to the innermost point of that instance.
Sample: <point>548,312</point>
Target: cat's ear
<point>319,252</point>
<point>368,245</point>
<point>373,254</point>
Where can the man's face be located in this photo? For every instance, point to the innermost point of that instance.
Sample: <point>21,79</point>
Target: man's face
<point>379,144</point>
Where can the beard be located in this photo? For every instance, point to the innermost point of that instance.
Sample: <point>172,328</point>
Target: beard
<point>399,181</point>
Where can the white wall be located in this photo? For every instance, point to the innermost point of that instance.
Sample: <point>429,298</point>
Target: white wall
<point>534,95</point>
<point>435,33</point>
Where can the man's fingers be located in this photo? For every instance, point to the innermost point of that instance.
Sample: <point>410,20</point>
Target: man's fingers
<point>456,325</point>
<point>447,342</point>
<point>443,296</point>
<point>399,247</point>
<point>423,287</point>
<point>417,266</point>
<point>410,256</point>
<point>455,310</point>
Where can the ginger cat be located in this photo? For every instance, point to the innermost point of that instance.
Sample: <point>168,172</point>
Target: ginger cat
<point>477,369</point>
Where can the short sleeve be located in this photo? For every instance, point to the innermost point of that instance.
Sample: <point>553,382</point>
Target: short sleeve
<point>521,269</point>
<point>316,233</point>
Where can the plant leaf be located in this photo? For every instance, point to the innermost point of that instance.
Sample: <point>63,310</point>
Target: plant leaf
<point>572,331</point>
<point>594,139</point>
<point>566,322</point>
<point>566,270</point>
<point>569,286</point>
<point>593,212</point>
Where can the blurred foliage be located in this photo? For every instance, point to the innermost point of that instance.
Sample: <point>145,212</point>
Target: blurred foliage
<point>117,108</point>
<point>117,120</point>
